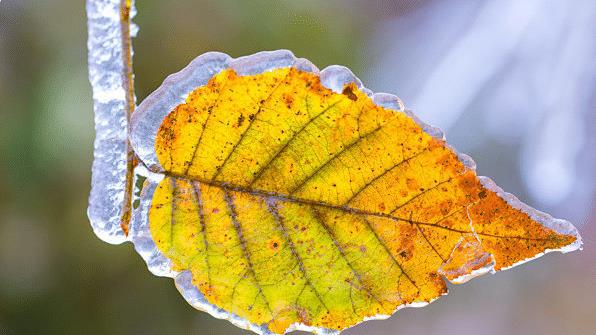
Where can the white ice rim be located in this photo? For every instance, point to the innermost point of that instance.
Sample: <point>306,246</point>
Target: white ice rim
<point>150,113</point>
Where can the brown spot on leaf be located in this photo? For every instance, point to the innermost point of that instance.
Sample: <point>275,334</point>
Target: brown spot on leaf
<point>349,93</point>
<point>274,244</point>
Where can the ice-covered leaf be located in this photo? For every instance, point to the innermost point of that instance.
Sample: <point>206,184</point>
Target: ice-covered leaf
<point>281,197</point>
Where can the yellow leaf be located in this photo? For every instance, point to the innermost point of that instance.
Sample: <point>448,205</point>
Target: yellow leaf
<point>293,204</point>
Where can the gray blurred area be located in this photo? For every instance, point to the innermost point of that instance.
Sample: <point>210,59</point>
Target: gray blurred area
<point>512,83</point>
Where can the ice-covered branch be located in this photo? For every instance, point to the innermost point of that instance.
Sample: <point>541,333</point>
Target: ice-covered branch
<point>110,74</point>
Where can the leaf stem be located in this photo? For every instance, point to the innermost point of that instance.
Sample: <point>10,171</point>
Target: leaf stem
<point>128,84</point>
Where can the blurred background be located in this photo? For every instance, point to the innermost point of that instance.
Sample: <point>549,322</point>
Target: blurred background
<point>512,83</point>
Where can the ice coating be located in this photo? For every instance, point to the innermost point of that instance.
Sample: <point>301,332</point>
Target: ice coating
<point>149,114</point>
<point>334,77</point>
<point>139,233</point>
<point>262,62</point>
<point>175,89</point>
<point>107,70</point>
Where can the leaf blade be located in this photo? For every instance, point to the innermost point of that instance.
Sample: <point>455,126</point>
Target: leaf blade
<point>416,206</point>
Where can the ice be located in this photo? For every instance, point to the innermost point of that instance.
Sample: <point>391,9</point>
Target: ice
<point>334,77</point>
<point>139,233</point>
<point>106,74</point>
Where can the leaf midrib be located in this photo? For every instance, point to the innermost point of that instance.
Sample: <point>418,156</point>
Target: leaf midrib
<point>344,208</point>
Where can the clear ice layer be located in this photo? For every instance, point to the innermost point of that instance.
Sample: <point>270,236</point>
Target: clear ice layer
<point>107,75</point>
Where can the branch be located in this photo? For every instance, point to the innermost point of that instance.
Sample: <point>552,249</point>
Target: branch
<point>111,76</point>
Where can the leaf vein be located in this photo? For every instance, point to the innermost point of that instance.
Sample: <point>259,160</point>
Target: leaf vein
<point>240,233</point>
<point>251,123</point>
<point>396,165</point>
<point>331,159</point>
<point>319,219</point>
<point>198,197</point>
<point>293,199</point>
<point>279,220</point>
<point>284,147</point>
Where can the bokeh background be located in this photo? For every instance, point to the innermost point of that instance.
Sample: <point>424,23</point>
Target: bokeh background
<point>513,83</point>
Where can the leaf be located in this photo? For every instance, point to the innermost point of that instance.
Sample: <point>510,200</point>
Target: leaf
<point>289,203</point>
